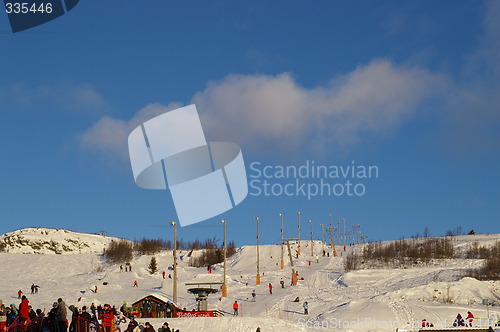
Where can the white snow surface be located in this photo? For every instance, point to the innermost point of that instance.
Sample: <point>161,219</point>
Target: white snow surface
<point>53,241</point>
<point>362,300</point>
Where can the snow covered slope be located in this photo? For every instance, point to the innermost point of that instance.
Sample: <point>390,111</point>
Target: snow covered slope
<point>52,241</point>
<point>361,300</point>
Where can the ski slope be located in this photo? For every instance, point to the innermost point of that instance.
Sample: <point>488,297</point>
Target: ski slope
<point>362,300</point>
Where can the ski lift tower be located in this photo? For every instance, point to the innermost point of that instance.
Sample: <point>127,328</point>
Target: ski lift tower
<point>202,293</point>
<point>294,274</point>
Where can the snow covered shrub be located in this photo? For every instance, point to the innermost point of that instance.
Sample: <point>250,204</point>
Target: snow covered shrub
<point>352,262</point>
<point>149,246</point>
<point>490,270</point>
<point>119,251</point>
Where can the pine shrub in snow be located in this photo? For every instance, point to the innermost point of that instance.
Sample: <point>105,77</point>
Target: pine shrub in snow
<point>153,266</point>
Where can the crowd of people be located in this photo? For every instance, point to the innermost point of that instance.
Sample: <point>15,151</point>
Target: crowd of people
<point>61,318</point>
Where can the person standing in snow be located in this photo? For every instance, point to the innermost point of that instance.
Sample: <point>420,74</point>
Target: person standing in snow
<point>164,328</point>
<point>108,318</point>
<point>148,328</point>
<point>136,284</point>
<point>3,316</point>
<point>132,324</point>
<point>235,308</point>
<point>93,308</point>
<point>270,288</point>
<point>61,315</point>
<point>19,294</point>
<point>52,318</point>
<point>84,320</point>
<point>253,295</point>
<point>282,282</point>
<point>23,307</point>
<point>469,318</point>
<point>306,308</point>
<point>85,315</point>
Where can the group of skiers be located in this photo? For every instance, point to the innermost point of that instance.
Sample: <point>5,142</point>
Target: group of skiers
<point>270,286</point>
<point>128,267</point>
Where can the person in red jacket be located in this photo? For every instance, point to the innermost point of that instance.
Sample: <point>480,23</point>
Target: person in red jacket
<point>235,308</point>
<point>23,307</point>
<point>470,318</point>
<point>270,288</point>
<point>108,318</point>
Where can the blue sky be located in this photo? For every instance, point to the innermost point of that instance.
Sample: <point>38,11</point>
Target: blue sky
<point>411,87</point>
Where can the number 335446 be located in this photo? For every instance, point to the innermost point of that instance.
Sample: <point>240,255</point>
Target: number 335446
<point>24,8</point>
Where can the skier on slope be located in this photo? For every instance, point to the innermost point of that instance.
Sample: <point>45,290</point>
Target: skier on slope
<point>306,308</point>
<point>235,308</point>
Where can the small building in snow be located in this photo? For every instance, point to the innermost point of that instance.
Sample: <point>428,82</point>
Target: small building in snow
<point>152,306</point>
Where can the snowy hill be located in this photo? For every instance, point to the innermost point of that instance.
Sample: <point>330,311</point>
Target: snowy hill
<point>361,300</point>
<point>52,241</point>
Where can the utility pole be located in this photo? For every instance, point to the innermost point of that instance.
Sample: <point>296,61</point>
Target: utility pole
<point>332,243</point>
<point>345,236</point>
<point>257,278</point>
<point>363,238</point>
<point>311,232</point>
<point>338,229</point>
<point>282,262</point>
<point>294,275</point>
<point>322,239</point>
<point>298,250</point>
<point>173,223</point>
<point>331,240</point>
<point>224,285</point>
<point>355,228</point>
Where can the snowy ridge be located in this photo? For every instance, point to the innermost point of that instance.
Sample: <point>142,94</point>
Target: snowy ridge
<point>52,241</point>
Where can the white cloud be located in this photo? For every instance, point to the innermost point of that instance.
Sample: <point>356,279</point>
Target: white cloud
<point>275,113</point>
<point>109,135</point>
<point>68,96</point>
